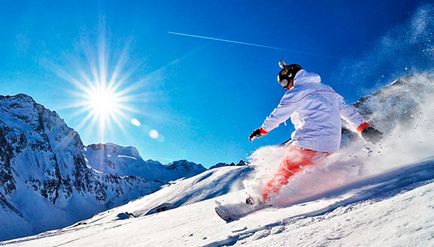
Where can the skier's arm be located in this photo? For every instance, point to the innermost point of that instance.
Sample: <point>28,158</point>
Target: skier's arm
<point>351,115</point>
<point>280,114</point>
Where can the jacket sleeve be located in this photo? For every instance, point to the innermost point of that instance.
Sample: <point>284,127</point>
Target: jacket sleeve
<point>349,113</point>
<point>280,114</point>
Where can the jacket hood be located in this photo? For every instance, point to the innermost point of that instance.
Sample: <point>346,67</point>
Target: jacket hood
<point>303,76</point>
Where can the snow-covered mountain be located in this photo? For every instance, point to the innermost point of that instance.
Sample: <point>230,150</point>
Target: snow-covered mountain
<point>222,164</point>
<point>392,209</point>
<point>126,161</point>
<point>49,179</point>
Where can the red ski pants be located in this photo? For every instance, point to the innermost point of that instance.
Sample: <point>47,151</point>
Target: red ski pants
<point>295,161</point>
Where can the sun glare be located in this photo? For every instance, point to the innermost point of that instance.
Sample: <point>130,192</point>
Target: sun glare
<point>103,106</point>
<point>103,101</point>
<point>103,93</point>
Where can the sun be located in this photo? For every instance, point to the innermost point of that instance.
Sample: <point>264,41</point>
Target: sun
<point>103,94</point>
<point>104,105</point>
<point>103,102</point>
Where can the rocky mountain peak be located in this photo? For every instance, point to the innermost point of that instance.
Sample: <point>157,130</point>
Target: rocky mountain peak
<point>43,161</point>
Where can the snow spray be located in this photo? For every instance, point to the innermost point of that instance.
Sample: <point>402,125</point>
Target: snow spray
<point>404,111</point>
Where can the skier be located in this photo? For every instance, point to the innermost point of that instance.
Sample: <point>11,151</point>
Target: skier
<point>315,110</point>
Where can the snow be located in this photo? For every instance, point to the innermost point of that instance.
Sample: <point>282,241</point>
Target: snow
<point>125,156</point>
<point>392,209</point>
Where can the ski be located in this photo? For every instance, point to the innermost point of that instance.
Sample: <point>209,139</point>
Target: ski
<point>235,211</point>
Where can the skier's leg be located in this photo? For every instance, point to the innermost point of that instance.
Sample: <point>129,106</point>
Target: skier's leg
<point>279,179</point>
<point>287,169</point>
<point>295,161</point>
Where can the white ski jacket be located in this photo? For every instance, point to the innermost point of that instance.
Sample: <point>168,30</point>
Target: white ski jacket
<point>315,110</point>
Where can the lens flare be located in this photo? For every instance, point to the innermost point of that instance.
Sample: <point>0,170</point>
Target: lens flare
<point>154,134</point>
<point>136,122</point>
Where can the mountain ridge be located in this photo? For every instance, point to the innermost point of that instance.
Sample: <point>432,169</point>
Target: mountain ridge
<point>43,160</point>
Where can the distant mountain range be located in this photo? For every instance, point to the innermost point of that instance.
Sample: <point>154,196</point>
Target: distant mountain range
<point>113,159</point>
<point>49,179</point>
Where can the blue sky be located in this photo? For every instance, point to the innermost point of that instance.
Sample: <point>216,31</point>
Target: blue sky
<point>203,97</point>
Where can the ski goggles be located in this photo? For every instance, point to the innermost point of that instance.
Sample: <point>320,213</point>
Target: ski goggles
<point>284,82</point>
<point>283,77</point>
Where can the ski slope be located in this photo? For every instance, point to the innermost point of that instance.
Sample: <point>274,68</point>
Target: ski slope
<point>392,209</point>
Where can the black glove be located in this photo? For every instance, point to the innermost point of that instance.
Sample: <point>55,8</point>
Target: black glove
<point>256,134</point>
<point>372,135</point>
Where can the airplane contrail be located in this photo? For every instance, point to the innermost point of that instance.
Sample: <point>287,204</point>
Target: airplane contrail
<point>226,40</point>
<point>247,43</point>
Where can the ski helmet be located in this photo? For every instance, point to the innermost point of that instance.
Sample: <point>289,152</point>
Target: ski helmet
<point>287,73</point>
